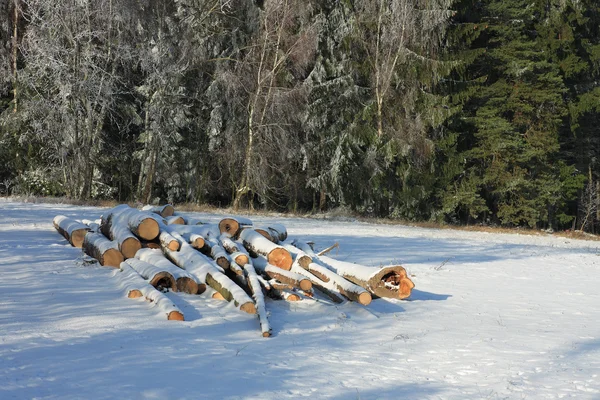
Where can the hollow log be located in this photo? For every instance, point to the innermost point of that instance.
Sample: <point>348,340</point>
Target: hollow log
<point>185,281</point>
<point>71,230</point>
<point>155,276</point>
<point>389,281</point>
<point>96,245</point>
<point>133,282</point>
<point>233,225</point>
<point>291,278</point>
<point>145,225</point>
<point>259,299</point>
<point>166,210</point>
<point>256,244</point>
<point>117,229</point>
<point>207,271</point>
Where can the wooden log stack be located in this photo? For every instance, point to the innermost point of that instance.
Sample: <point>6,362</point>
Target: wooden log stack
<point>157,251</point>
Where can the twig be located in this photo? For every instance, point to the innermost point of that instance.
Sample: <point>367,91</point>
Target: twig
<point>327,250</point>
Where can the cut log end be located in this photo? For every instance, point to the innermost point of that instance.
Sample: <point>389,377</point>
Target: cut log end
<point>112,258</point>
<point>187,285</point>
<point>229,226</point>
<point>198,243</point>
<point>266,334</point>
<point>163,280</point>
<point>173,245</point>
<point>242,260</point>
<point>365,298</point>
<point>78,236</point>
<point>305,285</point>
<point>250,308</point>
<point>175,316</point>
<point>130,246</point>
<point>281,258</point>
<point>134,294</point>
<point>201,288</point>
<point>148,229</point>
<point>218,296</point>
<point>293,297</point>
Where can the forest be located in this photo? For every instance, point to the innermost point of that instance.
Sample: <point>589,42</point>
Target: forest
<point>459,112</point>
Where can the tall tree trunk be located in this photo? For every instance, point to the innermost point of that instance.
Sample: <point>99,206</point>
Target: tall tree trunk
<point>15,43</point>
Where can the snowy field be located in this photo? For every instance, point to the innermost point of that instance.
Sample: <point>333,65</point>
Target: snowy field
<point>492,316</point>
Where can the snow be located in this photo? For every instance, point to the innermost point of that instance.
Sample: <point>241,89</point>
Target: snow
<point>491,316</point>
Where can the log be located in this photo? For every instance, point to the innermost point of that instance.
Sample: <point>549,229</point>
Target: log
<point>166,210</point>
<point>185,281</point>
<point>283,294</point>
<point>389,281</point>
<point>144,225</point>
<point>259,299</point>
<point>207,271</point>
<point>168,240</point>
<point>319,284</point>
<point>96,245</point>
<point>117,229</point>
<point>196,241</point>
<point>291,278</point>
<point>133,283</point>
<point>175,220</point>
<point>207,231</point>
<point>155,276</point>
<point>93,225</point>
<point>331,280</point>
<point>71,230</point>
<point>256,244</point>
<point>233,225</point>
<point>239,258</point>
<point>236,250</point>
<point>218,253</point>
<point>276,233</point>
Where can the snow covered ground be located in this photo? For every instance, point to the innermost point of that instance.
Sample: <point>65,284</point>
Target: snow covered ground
<point>492,316</point>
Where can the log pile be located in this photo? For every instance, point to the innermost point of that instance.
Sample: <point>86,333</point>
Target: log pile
<point>156,251</point>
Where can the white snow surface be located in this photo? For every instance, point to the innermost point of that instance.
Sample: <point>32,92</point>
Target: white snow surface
<point>492,316</point>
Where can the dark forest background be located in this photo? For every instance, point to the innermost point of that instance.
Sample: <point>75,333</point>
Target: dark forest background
<point>432,110</point>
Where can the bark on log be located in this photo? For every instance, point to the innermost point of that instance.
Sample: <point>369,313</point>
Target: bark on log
<point>145,225</point>
<point>259,299</point>
<point>390,281</point>
<point>155,276</point>
<point>166,210</point>
<point>291,278</point>
<point>319,284</point>
<point>218,253</point>
<point>256,244</point>
<point>185,281</point>
<point>133,282</point>
<point>117,229</point>
<point>207,271</point>
<point>96,245</point>
<point>233,225</point>
<point>71,230</point>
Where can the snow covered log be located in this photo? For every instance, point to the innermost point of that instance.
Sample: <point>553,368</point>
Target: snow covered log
<point>93,225</point>
<point>218,253</point>
<point>319,285</point>
<point>145,225</point>
<point>185,281</point>
<point>71,230</point>
<point>133,283</point>
<point>391,281</point>
<point>118,230</point>
<point>207,271</point>
<point>155,276</point>
<point>288,277</point>
<point>168,241</point>
<point>96,245</point>
<point>283,294</point>
<point>256,244</point>
<point>233,225</point>
<point>274,232</point>
<point>259,299</point>
<point>166,210</point>
<point>236,250</point>
<point>175,220</point>
<point>207,231</point>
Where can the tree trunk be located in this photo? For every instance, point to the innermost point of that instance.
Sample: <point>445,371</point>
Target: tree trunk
<point>277,255</point>
<point>184,280</point>
<point>96,245</point>
<point>119,232</point>
<point>207,271</point>
<point>259,299</point>
<point>71,230</point>
<point>133,283</point>
<point>15,53</point>
<point>232,226</point>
